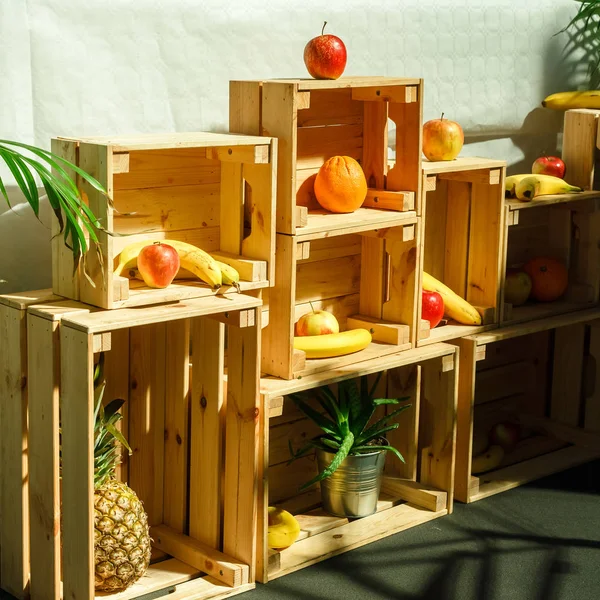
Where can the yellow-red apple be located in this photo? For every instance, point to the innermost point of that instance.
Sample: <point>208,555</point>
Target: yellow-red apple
<point>158,264</point>
<point>317,322</point>
<point>442,139</point>
<point>325,56</point>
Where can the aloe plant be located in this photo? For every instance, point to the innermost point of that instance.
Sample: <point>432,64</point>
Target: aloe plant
<point>345,423</point>
<point>77,222</point>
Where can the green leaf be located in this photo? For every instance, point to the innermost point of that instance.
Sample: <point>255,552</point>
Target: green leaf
<point>118,436</point>
<point>379,424</point>
<point>113,407</point>
<point>4,192</point>
<point>329,403</point>
<point>8,158</point>
<point>372,448</point>
<point>333,444</point>
<point>382,401</point>
<point>379,433</point>
<point>323,422</point>
<point>375,384</point>
<point>337,460</point>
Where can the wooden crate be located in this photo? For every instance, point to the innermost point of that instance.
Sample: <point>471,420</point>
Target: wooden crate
<point>542,374</point>
<point>412,493</point>
<point>366,278</point>
<point>565,227</point>
<point>463,239</point>
<point>579,148</point>
<point>14,464</point>
<point>317,119</point>
<point>214,191</point>
<point>195,455</point>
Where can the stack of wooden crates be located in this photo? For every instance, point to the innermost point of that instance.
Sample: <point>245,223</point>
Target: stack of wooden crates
<point>206,376</point>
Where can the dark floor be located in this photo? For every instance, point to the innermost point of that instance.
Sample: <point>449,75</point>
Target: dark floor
<point>538,542</point>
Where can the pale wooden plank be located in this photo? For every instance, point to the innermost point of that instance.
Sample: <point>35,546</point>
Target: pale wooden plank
<point>77,421</point>
<point>415,493</point>
<point>457,237</point>
<point>176,436</point>
<point>318,144</point>
<point>22,300</point>
<point>207,423</point>
<point>516,205</point>
<point>462,163</point>
<point>44,477</point>
<point>14,503</point>
<point>372,272</point>
<point>592,399</point>
<point>244,408</point>
<point>579,146</point>
<point>244,107</point>
<point>231,208</point>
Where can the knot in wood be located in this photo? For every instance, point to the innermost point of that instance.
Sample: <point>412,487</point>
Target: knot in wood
<point>203,402</point>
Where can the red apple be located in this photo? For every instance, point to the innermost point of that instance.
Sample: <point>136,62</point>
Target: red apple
<point>442,139</point>
<point>432,309</point>
<point>325,56</point>
<point>549,165</point>
<point>317,322</point>
<point>158,264</point>
<point>505,434</point>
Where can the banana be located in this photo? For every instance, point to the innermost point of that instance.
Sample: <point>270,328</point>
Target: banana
<point>542,185</point>
<point>333,344</point>
<point>283,529</point>
<point>510,183</point>
<point>569,100</point>
<point>230,275</point>
<point>192,259</point>
<point>455,307</point>
<point>488,460</point>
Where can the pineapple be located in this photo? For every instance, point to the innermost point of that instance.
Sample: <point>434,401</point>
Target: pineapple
<point>121,534</point>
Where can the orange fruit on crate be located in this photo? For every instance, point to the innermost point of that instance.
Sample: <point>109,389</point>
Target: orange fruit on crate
<point>549,278</point>
<point>340,186</point>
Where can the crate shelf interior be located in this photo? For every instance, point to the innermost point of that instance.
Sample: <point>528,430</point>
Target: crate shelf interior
<point>365,277</point>
<point>463,237</point>
<point>412,493</point>
<point>317,119</point>
<point>565,227</point>
<point>542,376</point>
<point>215,191</point>
<point>195,457</point>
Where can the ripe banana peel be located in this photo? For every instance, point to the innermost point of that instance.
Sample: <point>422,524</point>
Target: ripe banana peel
<point>510,183</point>
<point>192,259</point>
<point>230,275</point>
<point>455,307</point>
<point>283,529</point>
<point>333,344</point>
<point>488,460</point>
<point>542,185</point>
<point>570,100</point>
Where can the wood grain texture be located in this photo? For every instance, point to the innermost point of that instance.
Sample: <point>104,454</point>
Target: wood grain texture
<point>457,236</point>
<point>579,146</point>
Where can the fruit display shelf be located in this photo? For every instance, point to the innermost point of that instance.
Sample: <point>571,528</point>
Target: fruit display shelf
<point>317,119</point>
<point>540,375</point>
<point>365,277</point>
<point>565,227</point>
<point>415,492</point>
<point>462,244</point>
<point>215,191</point>
<point>194,462</point>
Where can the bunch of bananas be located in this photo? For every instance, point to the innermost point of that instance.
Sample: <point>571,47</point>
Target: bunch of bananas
<point>195,263</point>
<point>526,187</point>
<point>570,100</point>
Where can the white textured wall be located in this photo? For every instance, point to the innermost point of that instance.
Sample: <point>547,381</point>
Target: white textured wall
<point>82,67</point>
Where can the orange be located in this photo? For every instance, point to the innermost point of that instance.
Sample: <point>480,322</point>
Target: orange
<point>340,186</point>
<point>549,278</point>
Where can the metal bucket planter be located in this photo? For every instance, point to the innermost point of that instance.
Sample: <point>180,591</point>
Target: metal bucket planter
<point>353,490</point>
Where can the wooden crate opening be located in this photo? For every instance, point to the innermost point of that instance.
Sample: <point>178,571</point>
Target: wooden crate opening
<point>546,381</point>
<point>366,279</point>
<point>315,120</point>
<point>195,455</point>
<point>214,191</point>
<point>412,493</point>
<point>463,238</point>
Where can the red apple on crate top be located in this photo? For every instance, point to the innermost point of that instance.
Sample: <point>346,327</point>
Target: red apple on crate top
<point>317,322</point>
<point>158,264</point>
<point>505,434</point>
<point>549,165</point>
<point>442,139</point>
<point>432,308</point>
<point>325,56</point>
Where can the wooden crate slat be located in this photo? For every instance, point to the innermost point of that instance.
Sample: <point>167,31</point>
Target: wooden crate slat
<point>592,400</point>
<point>579,146</point>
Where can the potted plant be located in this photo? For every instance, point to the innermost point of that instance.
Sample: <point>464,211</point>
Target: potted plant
<point>77,222</point>
<point>351,452</point>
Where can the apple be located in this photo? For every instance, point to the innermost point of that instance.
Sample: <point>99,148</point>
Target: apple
<point>158,264</point>
<point>442,139</point>
<point>325,56</point>
<point>505,434</point>
<point>517,287</point>
<point>317,322</point>
<point>549,165</point>
<point>432,307</point>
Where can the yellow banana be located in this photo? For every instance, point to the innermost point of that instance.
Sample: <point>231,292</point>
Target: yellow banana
<point>283,529</point>
<point>333,344</point>
<point>510,183</point>
<point>542,185</point>
<point>455,307</point>
<point>191,258</point>
<point>569,100</point>
<point>230,275</point>
<point>488,460</point>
